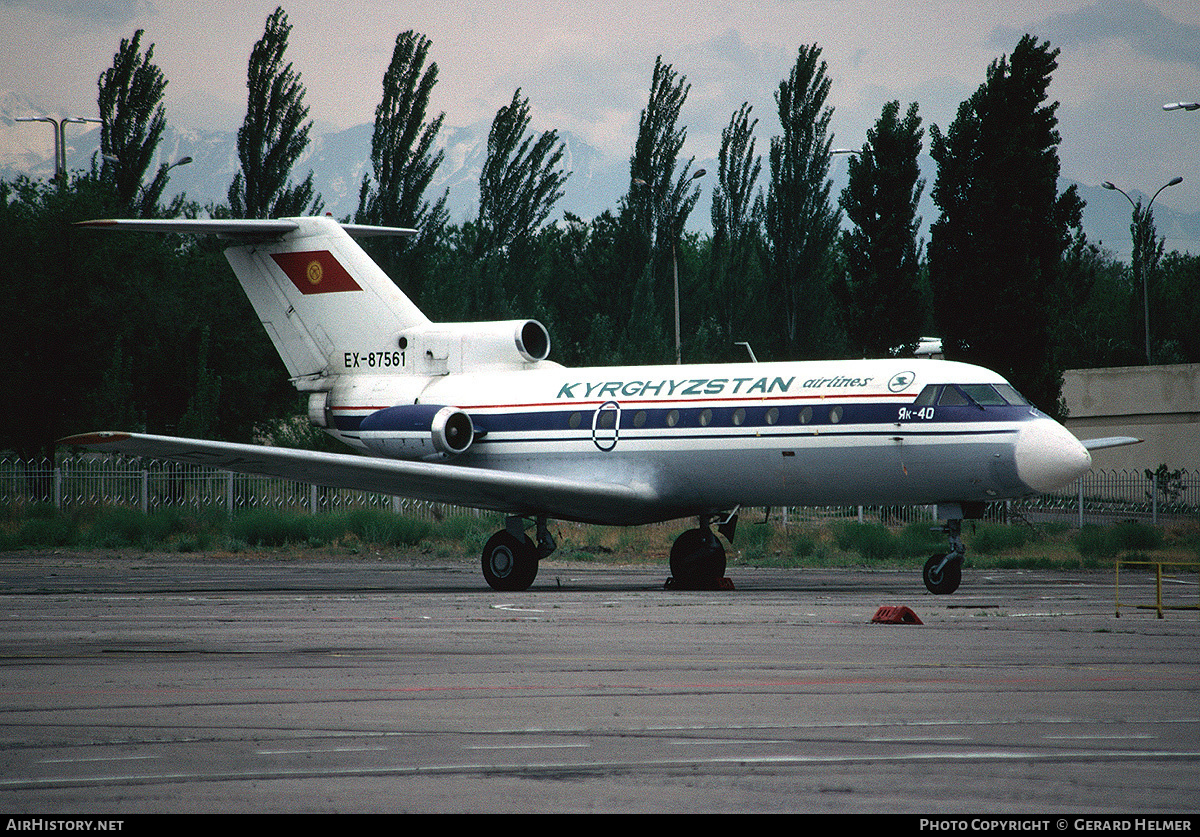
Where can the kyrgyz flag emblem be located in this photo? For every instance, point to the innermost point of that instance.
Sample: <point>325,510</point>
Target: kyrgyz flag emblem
<point>315,272</point>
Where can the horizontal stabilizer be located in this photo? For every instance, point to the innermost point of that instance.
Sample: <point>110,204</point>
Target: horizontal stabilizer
<point>240,227</point>
<point>318,294</point>
<point>502,491</point>
<point>1109,442</point>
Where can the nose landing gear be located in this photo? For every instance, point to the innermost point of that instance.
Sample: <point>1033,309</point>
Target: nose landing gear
<point>943,572</point>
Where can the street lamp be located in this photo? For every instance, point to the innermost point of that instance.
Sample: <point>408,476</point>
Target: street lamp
<point>60,139</point>
<point>1175,181</point>
<point>698,173</point>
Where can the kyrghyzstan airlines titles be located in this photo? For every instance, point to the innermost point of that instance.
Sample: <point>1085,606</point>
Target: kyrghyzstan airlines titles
<point>686,387</point>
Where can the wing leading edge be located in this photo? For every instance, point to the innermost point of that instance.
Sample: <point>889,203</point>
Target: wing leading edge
<point>503,491</point>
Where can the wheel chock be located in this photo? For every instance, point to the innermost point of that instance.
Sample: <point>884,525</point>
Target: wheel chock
<point>889,615</point>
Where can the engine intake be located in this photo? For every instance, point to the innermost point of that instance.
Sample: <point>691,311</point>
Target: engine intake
<point>418,431</point>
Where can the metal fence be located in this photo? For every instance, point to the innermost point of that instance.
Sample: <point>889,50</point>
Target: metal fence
<point>88,480</point>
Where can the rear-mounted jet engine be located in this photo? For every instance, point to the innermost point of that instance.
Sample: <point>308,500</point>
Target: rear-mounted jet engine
<point>418,431</point>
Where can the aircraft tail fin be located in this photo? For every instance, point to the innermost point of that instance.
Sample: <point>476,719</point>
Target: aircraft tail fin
<point>320,297</point>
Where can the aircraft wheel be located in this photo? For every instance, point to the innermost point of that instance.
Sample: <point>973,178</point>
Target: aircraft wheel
<point>944,579</point>
<point>509,564</point>
<point>697,560</point>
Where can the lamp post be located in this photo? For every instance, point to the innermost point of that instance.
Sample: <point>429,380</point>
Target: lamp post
<point>60,139</point>
<point>675,265</point>
<point>1175,181</point>
<point>674,259</point>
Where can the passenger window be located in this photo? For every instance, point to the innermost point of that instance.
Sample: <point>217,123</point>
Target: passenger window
<point>672,418</point>
<point>806,415</point>
<point>705,418</point>
<point>772,415</point>
<point>835,415</point>
<point>639,418</point>
<point>739,416</point>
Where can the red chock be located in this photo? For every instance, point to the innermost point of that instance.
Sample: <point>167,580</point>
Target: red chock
<point>889,615</point>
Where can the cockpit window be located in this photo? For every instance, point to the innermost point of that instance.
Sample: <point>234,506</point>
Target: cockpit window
<point>951,397</point>
<point>984,395</point>
<point>962,395</point>
<point>1012,396</point>
<point>928,396</point>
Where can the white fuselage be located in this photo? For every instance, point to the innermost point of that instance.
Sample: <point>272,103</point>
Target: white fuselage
<point>708,438</point>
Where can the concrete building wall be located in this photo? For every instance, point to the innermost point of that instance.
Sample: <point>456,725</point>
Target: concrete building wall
<point>1159,404</point>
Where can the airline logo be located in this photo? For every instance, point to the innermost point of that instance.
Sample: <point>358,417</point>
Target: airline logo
<point>315,272</point>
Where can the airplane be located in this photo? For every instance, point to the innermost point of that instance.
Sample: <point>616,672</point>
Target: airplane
<point>475,414</point>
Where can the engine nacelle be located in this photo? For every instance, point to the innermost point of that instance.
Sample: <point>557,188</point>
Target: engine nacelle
<point>418,431</point>
<point>444,348</point>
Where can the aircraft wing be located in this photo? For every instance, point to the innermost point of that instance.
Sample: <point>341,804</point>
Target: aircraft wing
<point>1109,442</point>
<point>503,491</point>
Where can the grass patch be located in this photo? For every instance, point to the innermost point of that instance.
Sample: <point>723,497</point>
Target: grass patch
<point>767,543</point>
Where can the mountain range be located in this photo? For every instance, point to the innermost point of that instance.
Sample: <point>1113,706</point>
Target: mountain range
<point>340,158</point>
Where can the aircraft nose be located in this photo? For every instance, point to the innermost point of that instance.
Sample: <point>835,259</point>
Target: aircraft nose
<point>1048,456</point>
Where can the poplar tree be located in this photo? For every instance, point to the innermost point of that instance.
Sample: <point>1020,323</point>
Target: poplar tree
<point>996,251</point>
<point>801,223</point>
<point>884,309</point>
<point>403,164</point>
<point>658,203</point>
<point>133,118</point>
<point>737,217</point>
<point>521,178</point>
<point>274,133</point>
<point>661,201</point>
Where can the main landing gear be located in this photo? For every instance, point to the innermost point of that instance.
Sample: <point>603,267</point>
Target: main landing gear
<point>943,572</point>
<point>698,558</point>
<point>510,557</point>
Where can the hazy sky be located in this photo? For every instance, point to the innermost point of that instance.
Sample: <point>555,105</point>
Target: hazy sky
<point>586,66</point>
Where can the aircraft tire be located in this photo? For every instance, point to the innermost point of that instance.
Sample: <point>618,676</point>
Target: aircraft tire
<point>944,581</point>
<point>697,560</point>
<point>509,564</point>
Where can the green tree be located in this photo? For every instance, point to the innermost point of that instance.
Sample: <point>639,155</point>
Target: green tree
<point>882,299</point>
<point>996,252</point>
<point>659,201</point>
<point>1176,290</point>
<point>1098,322</point>
<point>273,134</point>
<point>403,163</point>
<point>200,418</point>
<point>521,178</point>
<point>1147,254</point>
<point>735,270</point>
<point>133,118</point>
<point>801,222</point>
